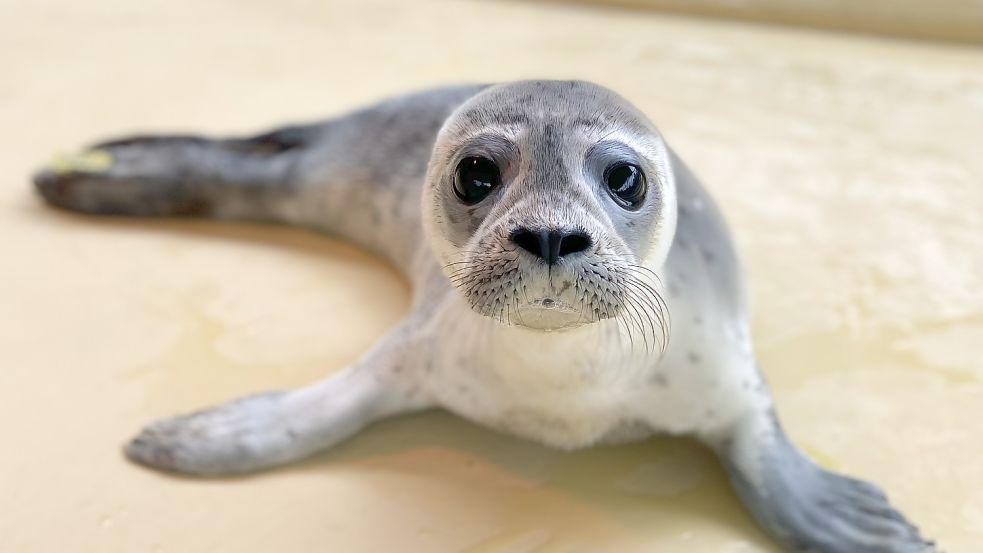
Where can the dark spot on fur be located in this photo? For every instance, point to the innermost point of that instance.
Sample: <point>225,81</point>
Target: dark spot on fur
<point>693,357</point>
<point>660,380</point>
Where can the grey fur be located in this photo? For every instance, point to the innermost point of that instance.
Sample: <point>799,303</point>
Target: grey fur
<point>365,177</point>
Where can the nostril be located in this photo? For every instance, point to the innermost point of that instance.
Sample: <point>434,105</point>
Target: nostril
<point>551,245</point>
<point>532,242</point>
<point>573,242</point>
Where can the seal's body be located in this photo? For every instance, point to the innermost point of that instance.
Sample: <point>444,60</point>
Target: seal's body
<point>573,284</point>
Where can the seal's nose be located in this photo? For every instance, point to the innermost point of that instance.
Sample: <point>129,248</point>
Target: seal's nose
<point>551,245</point>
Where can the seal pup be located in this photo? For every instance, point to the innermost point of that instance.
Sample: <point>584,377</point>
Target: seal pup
<point>572,281</point>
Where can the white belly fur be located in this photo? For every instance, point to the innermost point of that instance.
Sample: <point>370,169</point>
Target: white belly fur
<point>588,385</point>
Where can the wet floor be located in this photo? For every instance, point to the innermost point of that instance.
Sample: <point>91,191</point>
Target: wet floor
<point>848,167</point>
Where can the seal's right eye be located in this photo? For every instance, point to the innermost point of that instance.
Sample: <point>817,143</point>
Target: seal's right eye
<point>476,177</point>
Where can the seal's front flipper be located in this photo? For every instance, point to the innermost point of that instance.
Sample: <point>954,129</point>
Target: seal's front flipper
<point>257,432</point>
<point>806,507</point>
<point>265,430</point>
<point>179,176</point>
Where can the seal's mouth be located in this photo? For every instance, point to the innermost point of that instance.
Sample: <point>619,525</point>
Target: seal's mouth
<point>551,304</point>
<point>583,290</point>
<point>549,314</point>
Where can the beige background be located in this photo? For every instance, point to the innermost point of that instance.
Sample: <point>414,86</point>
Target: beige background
<point>849,168</point>
<point>944,20</point>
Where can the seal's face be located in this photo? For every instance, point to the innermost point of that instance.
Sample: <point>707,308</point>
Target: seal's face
<point>550,206</point>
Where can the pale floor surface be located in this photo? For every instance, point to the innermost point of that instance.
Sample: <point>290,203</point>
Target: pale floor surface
<point>849,168</point>
<point>945,20</point>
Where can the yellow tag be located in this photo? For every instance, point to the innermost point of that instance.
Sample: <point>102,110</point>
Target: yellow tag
<point>92,161</point>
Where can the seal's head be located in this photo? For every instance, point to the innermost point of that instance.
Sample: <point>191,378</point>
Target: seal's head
<point>550,205</point>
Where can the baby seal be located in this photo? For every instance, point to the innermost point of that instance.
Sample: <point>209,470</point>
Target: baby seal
<point>573,283</point>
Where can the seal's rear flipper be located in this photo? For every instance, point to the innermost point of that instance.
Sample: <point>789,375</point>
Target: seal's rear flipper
<point>808,508</point>
<point>357,175</point>
<point>240,178</point>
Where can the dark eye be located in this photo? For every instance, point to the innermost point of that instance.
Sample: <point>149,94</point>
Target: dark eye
<point>475,178</point>
<point>626,183</point>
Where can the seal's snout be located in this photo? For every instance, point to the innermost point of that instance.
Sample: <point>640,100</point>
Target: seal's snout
<point>551,245</point>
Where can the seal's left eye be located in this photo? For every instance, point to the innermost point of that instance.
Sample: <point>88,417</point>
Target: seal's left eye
<point>475,178</point>
<point>626,183</point>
